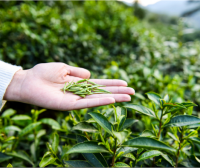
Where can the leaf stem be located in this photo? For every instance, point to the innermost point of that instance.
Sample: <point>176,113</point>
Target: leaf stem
<point>179,148</point>
<point>160,125</point>
<point>114,151</point>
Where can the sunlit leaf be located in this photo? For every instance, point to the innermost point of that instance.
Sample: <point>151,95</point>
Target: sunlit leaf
<point>87,147</point>
<point>21,117</point>
<point>182,120</point>
<point>47,161</point>
<point>148,143</point>
<point>86,127</point>
<point>154,97</point>
<point>29,128</point>
<point>141,109</point>
<point>148,155</point>
<point>50,122</point>
<point>102,121</point>
<point>55,142</point>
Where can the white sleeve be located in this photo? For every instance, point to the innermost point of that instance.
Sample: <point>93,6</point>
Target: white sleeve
<point>7,72</point>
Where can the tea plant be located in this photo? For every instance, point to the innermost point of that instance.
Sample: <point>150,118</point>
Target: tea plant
<point>105,139</point>
<point>12,136</point>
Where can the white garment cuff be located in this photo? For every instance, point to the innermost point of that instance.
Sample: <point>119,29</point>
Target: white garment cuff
<point>7,72</point>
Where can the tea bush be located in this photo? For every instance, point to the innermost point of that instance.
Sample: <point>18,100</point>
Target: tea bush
<point>107,39</point>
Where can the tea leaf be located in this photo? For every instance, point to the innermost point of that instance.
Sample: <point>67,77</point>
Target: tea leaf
<point>9,165</point>
<point>4,157</point>
<point>11,128</point>
<point>47,161</point>
<point>167,158</point>
<point>128,123</point>
<point>87,147</point>
<point>8,113</point>
<point>122,119</point>
<point>55,142</point>
<point>21,155</point>
<point>121,136</point>
<point>141,109</point>
<point>148,143</point>
<point>195,139</point>
<point>147,133</point>
<point>129,155</point>
<point>86,127</point>
<point>148,155</point>
<point>166,98</point>
<point>121,164</point>
<point>21,117</point>
<point>182,120</point>
<point>97,159</point>
<point>78,163</point>
<point>102,121</point>
<point>50,122</point>
<point>126,150</point>
<point>29,128</point>
<point>154,97</point>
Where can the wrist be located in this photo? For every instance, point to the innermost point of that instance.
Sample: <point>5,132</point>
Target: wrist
<point>13,91</point>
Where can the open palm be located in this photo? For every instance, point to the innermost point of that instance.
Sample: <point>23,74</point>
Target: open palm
<point>42,85</point>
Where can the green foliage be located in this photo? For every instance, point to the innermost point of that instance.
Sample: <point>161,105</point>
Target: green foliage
<point>107,39</point>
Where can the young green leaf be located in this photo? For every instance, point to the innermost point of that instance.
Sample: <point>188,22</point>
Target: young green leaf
<point>148,143</point>
<point>147,133</point>
<point>11,128</point>
<point>195,139</point>
<point>121,121</point>
<point>129,155</point>
<point>125,150</point>
<point>166,98</point>
<point>55,142</point>
<point>51,122</point>
<point>86,127</point>
<point>87,147</point>
<point>127,124</point>
<point>121,136</point>
<point>148,155</point>
<point>121,164</point>
<point>8,113</point>
<point>29,128</point>
<point>21,117</point>
<point>102,121</point>
<point>21,155</point>
<point>9,165</point>
<point>77,163</point>
<point>182,120</point>
<point>47,161</point>
<point>154,97</point>
<point>141,109</point>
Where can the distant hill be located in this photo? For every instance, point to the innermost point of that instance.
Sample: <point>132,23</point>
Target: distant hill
<point>176,8</point>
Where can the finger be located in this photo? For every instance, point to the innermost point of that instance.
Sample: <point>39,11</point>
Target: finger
<point>110,82</point>
<point>87,103</point>
<point>117,97</point>
<point>79,72</point>
<point>120,90</point>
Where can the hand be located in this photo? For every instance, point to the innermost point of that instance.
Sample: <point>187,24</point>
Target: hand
<point>41,86</point>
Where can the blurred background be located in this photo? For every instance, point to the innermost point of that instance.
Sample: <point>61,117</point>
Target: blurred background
<point>153,45</point>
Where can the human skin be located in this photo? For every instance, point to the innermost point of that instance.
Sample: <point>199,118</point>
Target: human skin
<point>41,86</point>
